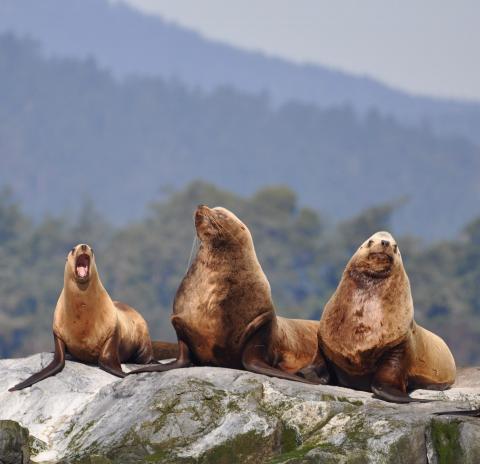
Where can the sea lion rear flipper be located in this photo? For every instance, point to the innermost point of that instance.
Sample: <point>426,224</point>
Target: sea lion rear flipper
<point>164,350</point>
<point>53,368</point>
<point>109,359</point>
<point>473,413</point>
<point>183,360</point>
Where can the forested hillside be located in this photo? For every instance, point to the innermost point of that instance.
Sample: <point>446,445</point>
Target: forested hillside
<point>302,253</point>
<point>69,129</point>
<point>129,42</point>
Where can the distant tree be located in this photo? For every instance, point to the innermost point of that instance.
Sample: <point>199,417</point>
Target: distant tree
<point>12,222</point>
<point>302,254</point>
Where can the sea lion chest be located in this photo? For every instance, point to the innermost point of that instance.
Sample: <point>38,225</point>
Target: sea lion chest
<point>208,314</point>
<point>84,326</point>
<point>356,332</point>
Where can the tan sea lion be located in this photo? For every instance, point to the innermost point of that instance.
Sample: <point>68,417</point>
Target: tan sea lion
<point>368,334</point>
<point>223,311</point>
<point>91,327</point>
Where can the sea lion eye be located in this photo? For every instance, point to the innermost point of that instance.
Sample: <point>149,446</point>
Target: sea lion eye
<point>370,243</point>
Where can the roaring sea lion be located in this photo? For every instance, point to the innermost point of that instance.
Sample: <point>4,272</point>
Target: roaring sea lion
<point>368,334</point>
<point>223,312</point>
<point>91,327</point>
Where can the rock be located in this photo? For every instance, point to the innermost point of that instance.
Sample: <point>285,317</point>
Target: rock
<point>14,443</point>
<point>212,415</point>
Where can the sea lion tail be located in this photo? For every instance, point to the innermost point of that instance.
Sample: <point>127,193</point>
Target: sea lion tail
<point>164,350</point>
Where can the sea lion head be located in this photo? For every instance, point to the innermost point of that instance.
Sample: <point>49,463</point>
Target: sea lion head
<point>219,227</point>
<point>80,264</point>
<point>377,257</point>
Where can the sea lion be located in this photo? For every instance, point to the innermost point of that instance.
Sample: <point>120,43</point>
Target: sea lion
<point>367,331</point>
<point>223,311</point>
<point>91,327</point>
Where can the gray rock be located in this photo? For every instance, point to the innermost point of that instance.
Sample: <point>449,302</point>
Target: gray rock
<point>14,443</point>
<point>204,414</point>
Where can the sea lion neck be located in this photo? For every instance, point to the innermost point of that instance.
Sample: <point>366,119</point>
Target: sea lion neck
<point>220,251</point>
<point>74,290</point>
<point>367,280</point>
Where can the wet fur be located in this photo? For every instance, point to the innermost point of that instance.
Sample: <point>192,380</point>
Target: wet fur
<point>86,317</point>
<point>367,331</point>
<point>92,328</point>
<point>224,305</point>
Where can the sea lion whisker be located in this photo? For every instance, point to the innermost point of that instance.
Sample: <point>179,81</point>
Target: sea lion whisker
<point>195,239</point>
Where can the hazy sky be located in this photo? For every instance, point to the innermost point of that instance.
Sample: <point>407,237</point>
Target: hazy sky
<point>424,46</point>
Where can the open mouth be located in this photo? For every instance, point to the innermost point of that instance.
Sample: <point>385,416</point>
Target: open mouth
<point>82,266</point>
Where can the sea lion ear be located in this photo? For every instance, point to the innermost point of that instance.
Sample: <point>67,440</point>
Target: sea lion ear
<point>395,248</point>
<point>72,250</point>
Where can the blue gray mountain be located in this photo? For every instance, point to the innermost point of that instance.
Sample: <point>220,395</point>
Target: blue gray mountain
<point>129,42</point>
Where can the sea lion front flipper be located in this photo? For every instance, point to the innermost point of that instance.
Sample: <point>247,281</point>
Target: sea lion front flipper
<point>183,360</point>
<point>256,325</point>
<point>253,360</point>
<point>393,395</point>
<point>53,368</point>
<point>389,381</point>
<point>317,372</point>
<point>109,359</point>
<point>472,413</point>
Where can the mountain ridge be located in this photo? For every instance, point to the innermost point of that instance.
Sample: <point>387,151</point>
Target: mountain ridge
<point>127,42</point>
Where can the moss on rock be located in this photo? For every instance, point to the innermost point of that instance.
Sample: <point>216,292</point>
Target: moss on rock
<point>14,443</point>
<point>446,441</point>
<point>250,447</point>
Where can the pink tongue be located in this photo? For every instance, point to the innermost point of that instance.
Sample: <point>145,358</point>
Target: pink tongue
<point>82,271</point>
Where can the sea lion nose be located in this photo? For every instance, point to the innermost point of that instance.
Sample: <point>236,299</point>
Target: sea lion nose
<point>385,243</point>
<point>84,247</point>
<point>198,216</point>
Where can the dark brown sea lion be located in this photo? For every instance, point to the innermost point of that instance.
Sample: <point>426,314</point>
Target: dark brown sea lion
<point>223,312</point>
<point>91,327</point>
<point>368,334</point>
